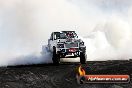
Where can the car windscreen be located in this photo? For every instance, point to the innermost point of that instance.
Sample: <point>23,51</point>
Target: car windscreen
<point>70,34</point>
<point>65,35</point>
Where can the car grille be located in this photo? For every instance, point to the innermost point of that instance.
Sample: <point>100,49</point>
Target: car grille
<point>71,45</point>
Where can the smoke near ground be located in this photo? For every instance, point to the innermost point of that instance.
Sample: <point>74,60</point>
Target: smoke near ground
<point>25,25</point>
<point>111,41</point>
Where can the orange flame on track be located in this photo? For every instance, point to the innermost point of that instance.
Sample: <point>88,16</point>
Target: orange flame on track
<point>81,71</point>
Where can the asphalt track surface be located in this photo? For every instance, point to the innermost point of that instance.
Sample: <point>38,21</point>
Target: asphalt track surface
<point>62,76</point>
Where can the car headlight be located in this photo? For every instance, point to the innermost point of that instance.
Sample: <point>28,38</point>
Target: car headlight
<point>81,43</point>
<point>60,45</point>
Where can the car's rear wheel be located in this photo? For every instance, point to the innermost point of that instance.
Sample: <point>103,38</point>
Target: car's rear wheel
<point>55,57</point>
<point>83,57</point>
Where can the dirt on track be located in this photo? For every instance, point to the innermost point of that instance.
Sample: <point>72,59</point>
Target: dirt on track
<point>62,76</point>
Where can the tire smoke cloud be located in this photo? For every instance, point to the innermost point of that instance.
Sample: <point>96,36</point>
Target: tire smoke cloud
<point>25,25</point>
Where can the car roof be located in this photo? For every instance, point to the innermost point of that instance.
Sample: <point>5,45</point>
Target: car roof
<point>63,31</point>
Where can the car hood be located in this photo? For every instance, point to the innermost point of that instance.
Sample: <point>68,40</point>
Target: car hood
<point>69,40</point>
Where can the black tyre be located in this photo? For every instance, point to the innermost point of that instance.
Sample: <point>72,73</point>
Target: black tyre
<point>55,57</point>
<point>83,57</point>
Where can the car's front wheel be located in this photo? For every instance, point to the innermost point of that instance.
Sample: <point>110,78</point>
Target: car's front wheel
<point>83,57</point>
<point>55,57</point>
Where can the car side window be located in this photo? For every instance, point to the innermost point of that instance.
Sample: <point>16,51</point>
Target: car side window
<point>51,37</point>
<point>55,37</point>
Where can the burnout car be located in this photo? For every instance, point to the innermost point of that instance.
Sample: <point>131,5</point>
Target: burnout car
<point>66,43</point>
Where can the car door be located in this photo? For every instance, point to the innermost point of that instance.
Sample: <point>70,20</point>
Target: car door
<point>53,41</point>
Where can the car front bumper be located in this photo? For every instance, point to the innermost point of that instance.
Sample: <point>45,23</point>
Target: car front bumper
<point>73,50</point>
